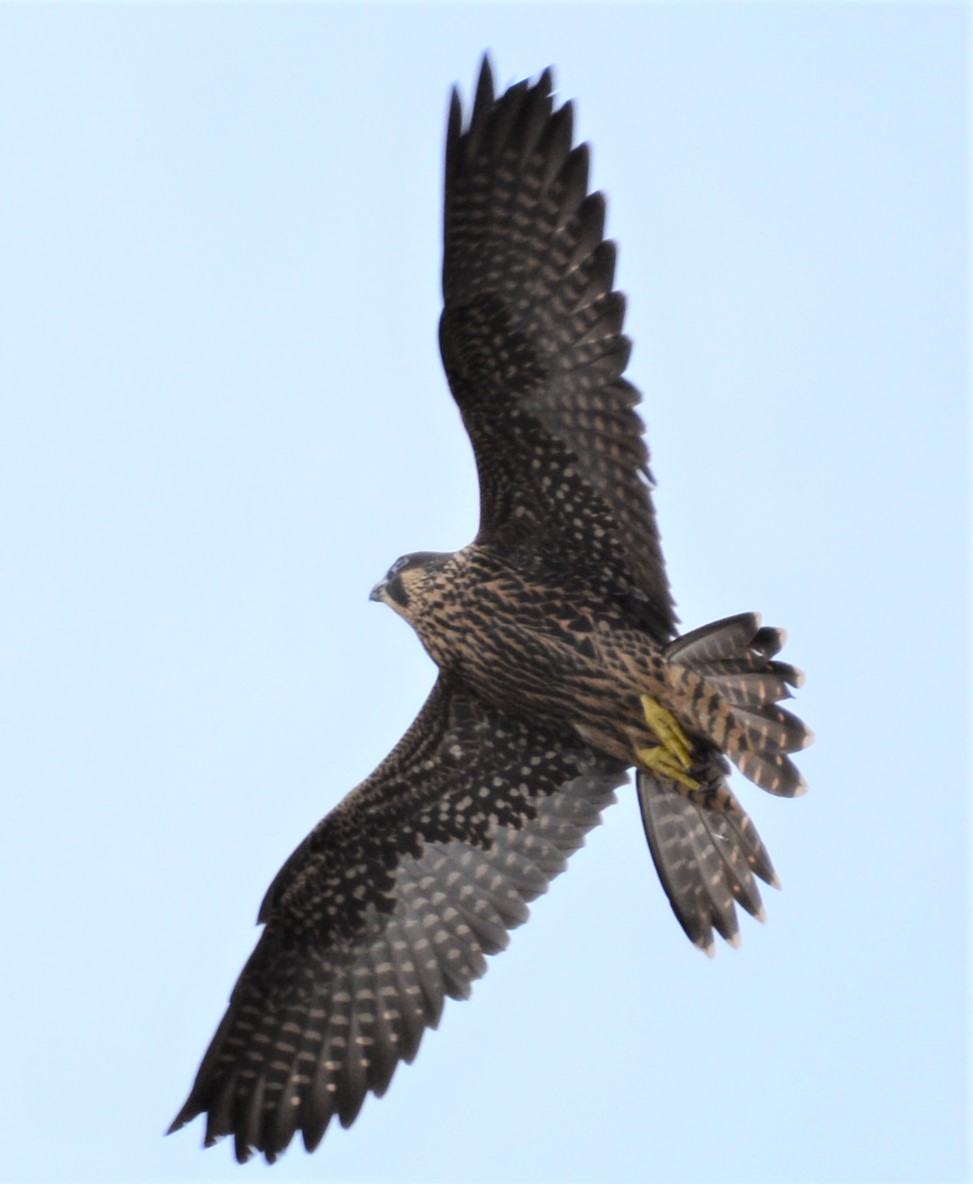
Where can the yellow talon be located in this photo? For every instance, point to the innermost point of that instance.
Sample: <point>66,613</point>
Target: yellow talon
<point>667,731</point>
<point>660,760</point>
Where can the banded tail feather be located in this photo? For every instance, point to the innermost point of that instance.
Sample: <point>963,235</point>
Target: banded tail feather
<point>705,848</point>
<point>737,689</point>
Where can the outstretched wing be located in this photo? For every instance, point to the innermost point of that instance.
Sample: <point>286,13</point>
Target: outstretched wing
<point>386,908</point>
<point>532,342</point>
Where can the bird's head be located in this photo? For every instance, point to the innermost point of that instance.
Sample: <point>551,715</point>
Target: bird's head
<point>402,587</point>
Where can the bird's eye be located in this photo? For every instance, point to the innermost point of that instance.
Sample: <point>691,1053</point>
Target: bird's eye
<point>398,565</point>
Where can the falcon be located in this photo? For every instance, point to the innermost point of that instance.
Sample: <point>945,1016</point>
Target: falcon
<point>559,670</point>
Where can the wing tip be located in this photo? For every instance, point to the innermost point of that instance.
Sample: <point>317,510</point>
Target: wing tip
<point>176,1125</point>
<point>191,1109</point>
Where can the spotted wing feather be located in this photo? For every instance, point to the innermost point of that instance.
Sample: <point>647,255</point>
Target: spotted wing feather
<point>532,342</point>
<point>389,906</point>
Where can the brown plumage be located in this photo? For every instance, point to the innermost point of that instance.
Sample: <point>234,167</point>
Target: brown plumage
<point>555,638</point>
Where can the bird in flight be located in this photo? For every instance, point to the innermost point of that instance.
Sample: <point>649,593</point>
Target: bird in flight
<point>559,670</point>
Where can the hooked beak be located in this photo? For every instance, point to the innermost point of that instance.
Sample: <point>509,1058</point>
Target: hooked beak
<point>378,591</point>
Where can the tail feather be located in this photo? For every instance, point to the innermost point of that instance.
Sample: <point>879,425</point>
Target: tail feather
<point>735,660</point>
<point>705,848</point>
<point>744,688</point>
<point>735,646</point>
<point>773,727</point>
<point>720,639</point>
<point>775,773</point>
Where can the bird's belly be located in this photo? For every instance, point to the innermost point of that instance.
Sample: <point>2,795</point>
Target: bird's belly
<point>588,684</point>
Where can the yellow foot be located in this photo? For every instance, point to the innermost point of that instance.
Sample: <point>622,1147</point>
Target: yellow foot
<point>673,755</point>
<point>660,760</point>
<point>667,731</point>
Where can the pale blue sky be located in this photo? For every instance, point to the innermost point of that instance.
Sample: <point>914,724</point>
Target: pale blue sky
<point>224,416</point>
